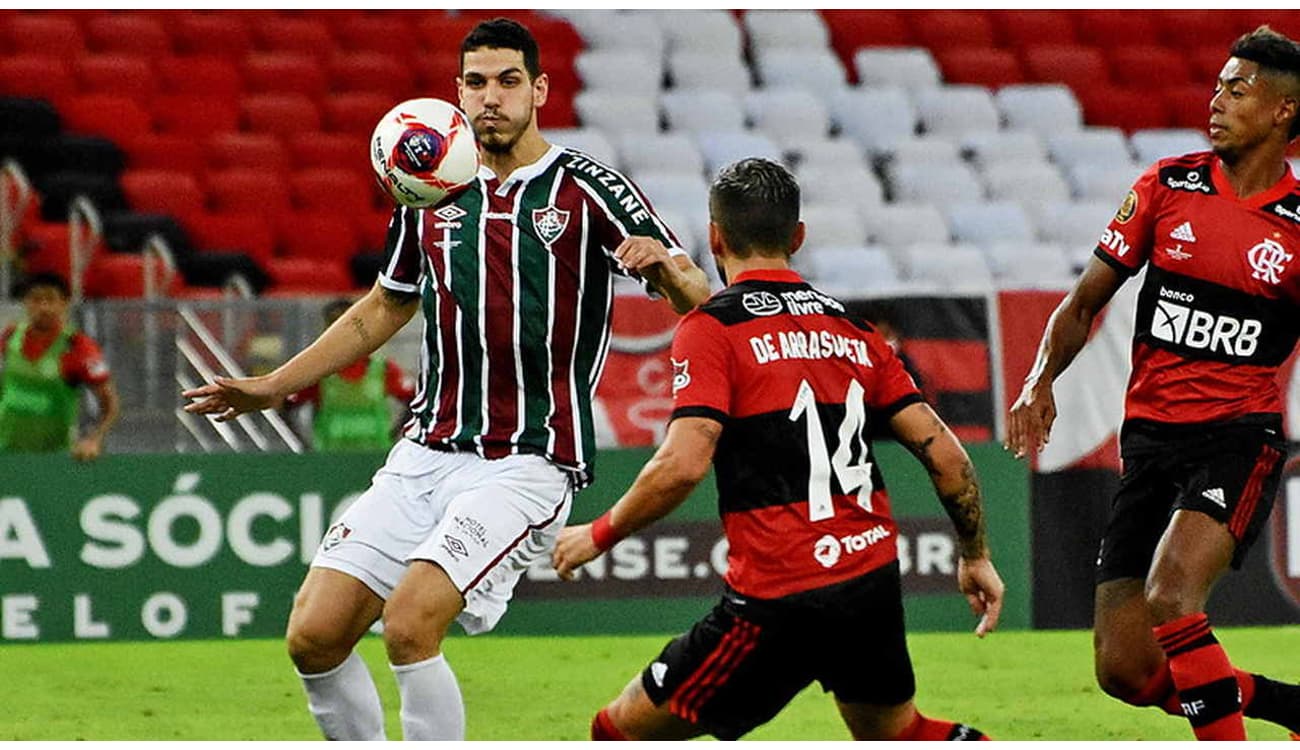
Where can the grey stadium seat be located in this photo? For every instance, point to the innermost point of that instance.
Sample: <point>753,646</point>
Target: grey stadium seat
<point>617,113</point>
<point>819,71</point>
<point>1074,225</point>
<point>995,147</point>
<point>956,110</point>
<point>1029,265</point>
<point>706,69</point>
<point>660,152</point>
<point>1102,182</point>
<point>923,150</point>
<point>954,267</point>
<point>613,30</point>
<point>1155,144</point>
<point>712,30</point>
<point>845,271</point>
<point>1044,108</point>
<point>935,183</point>
<point>832,224</point>
<point>840,152</point>
<point>899,224</point>
<point>876,117</point>
<point>1025,182</point>
<point>1093,145</point>
<point>840,183</point>
<point>787,114</point>
<point>769,29</point>
<point>590,140</point>
<point>910,67</point>
<point>705,109</point>
<point>685,194</point>
<point>623,71</point>
<point>720,148</point>
<point>990,222</point>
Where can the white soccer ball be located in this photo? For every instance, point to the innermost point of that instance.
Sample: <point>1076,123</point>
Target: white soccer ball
<point>423,152</point>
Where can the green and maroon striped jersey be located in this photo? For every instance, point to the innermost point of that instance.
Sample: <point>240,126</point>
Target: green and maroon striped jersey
<point>516,281</point>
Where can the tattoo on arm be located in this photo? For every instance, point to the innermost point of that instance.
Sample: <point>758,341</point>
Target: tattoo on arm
<point>961,497</point>
<point>359,326</point>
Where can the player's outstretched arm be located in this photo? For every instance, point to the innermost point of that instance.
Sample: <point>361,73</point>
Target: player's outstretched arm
<point>664,482</point>
<point>954,479</point>
<point>1029,423</point>
<point>675,276</point>
<point>361,330</point>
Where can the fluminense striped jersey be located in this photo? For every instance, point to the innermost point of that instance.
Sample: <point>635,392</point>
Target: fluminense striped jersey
<point>516,281</point>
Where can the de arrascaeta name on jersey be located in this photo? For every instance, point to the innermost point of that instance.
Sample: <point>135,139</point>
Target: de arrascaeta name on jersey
<point>813,344</point>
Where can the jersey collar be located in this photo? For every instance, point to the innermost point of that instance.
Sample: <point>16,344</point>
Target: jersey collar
<point>1280,188</point>
<point>524,173</point>
<point>786,275</point>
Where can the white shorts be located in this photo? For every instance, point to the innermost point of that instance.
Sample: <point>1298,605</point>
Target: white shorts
<point>483,522</point>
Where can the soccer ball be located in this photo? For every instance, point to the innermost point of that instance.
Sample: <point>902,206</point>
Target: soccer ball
<point>423,151</point>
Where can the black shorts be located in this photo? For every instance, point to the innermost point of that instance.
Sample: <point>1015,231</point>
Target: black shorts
<point>740,665</point>
<point>1229,471</point>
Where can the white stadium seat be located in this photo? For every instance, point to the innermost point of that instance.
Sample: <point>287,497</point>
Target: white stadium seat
<point>705,109</point>
<point>720,148</point>
<point>909,67</point>
<point>935,183</point>
<point>1155,144</point>
<point>840,183</point>
<point>989,222</point>
<point>876,116</point>
<point>1029,265</point>
<point>685,194</point>
<point>960,268</point>
<point>622,31</point>
<point>1102,182</point>
<point>787,114</point>
<point>1044,108</point>
<point>819,71</point>
<point>1035,181</point>
<point>660,152</point>
<point>705,69</point>
<point>769,29</point>
<point>832,224</point>
<point>589,140</point>
<point>625,72</point>
<point>618,113</point>
<point>899,224</point>
<point>999,146</point>
<point>712,30</point>
<point>923,150</point>
<point>1074,225</point>
<point>956,110</point>
<point>1092,145</point>
<point>837,152</point>
<point>848,271</point>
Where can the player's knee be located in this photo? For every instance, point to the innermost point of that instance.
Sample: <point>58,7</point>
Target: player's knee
<point>313,649</point>
<point>410,636</point>
<point>1168,600</point>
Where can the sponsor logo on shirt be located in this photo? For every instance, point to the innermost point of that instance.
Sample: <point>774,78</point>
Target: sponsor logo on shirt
<point>828,550</point>
<point>1183,232</point>
<point>454,547</point>
<point>1177,253</point>
<point>1116,241</point>
<point>1198,329</point>
<point>761,304</point>
<point>1192,183</point>
<point>681,374</point>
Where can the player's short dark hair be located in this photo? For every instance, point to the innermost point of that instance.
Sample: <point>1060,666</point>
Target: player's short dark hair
<point>1274,53</point>
<point>43,279</point>
<point>503,33</point>
<point>755,203</point>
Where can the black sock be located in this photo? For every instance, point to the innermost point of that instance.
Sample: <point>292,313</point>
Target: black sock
<point>1278,702</point>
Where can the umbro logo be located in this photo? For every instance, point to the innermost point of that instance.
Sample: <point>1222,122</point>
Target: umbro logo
<point>1183,232</point>
<point>1215,496</point>
<point>657,671</point>
<point>450,212</point>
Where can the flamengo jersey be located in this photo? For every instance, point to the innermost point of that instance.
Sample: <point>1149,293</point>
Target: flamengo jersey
<point>516,286</point>
<point>1218,311</point>
<point>797,384</point>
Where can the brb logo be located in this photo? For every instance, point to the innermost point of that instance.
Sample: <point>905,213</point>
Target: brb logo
<point>1197,329</point>
<point>1269,260</point>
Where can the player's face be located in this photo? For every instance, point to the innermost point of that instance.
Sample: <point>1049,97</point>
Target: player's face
<point>499,96</point>
<point>1243,109</point>
<point>46,308</point>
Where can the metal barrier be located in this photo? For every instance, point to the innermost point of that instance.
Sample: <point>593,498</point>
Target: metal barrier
<point>15,196</point>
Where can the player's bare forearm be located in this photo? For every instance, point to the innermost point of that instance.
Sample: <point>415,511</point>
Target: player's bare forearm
<point>681,281</point>
<point>951,472</point>
<point>109,410</point>
<point>667,479</point>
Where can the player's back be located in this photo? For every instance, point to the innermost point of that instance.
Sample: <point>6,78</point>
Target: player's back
<point>802,501</point>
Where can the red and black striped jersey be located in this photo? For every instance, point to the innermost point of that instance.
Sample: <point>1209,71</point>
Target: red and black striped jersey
<point>797,383</point>
<point>516,280</point>
<point>1217,313</point>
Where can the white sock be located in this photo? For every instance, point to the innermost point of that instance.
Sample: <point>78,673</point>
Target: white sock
<point>344,701</point>
<point>431,704</point>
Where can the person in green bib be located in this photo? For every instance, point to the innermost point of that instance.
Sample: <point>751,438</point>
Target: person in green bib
<point>351,406</point>
<point>44,362</point>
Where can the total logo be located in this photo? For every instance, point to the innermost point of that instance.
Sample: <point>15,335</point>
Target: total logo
<point>829,549</point>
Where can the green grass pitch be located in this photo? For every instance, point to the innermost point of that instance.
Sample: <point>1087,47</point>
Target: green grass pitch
<point>1013,685</point>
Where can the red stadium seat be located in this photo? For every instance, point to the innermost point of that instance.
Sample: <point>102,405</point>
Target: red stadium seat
<point>284,73</point>
<point>941,29</point>
<point>121,275</point>
<point>158,191</point>
<point>1026,28</point>
<point>1186,28</point>
<point>117,74</point>
<point>164,151</point>
<point>1189,105</point>
<point>851,29</point>
<point>194,115</point>
<point>297,276</point>
<point>282,114</point>
<point>128,33</point>
<point>221,34</point>
<point>247,190</point>
<point>1074,65</point>
<point>986,66</point>
<point>441,32</point>
<point>356,112</point>
<point>37,76</point>
<point>373,72</point>
<point>372,227</point>
<point>246,233</point>
<point>1206,62</point>
<point>257,150</point>
<point>205,75</point>
<point>334,190</point>
<point>303,35</point>
<point>1115,28</point>
<point>46,249</point>
<point>117,118</point>
<point>317,235</point>
<point>376,34</point>
<point>341,150</point>
<point>437,73</point>
<point>1149,63</point>
<point>559,41</point>
<point>45,34</point>
<point>1130,109</point>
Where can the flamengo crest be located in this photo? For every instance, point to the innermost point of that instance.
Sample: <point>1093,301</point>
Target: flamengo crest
<point>550,223</point>
<point>1269,260</point>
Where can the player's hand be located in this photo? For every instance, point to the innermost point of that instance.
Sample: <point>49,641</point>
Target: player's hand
<point>1029,423</point>
<point>980,583</point>
<point>644,254</point>
<point>574,547</point>
<point>228,398</point>
<point>87,448</point>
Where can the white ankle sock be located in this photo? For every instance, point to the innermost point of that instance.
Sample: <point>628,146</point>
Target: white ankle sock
<point>431,704</point>
<point>344,701</point>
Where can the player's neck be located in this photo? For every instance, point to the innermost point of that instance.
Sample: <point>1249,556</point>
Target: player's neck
<point>1256,170</point>
<point>530,147</point>
<point>736,266</point>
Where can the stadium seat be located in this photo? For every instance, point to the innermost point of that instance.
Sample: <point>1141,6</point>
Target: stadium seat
<point>382,34</point>
<point>246,190</point>
<point>787,114</point>
<point>623,72</point>
<point>819,71</point>
<point>830,183</point>
<point>1150,145</point>
<point>1114,29</point>
<point>316,235</point>
<point>115,276</point>
<point>160,191</point>
<point>832,224</point>
<point>1187,28</point>
<point>780,29</point>
<point>438,31</point>
<point>42,34</point>
<point>588,140</point>
<point>374,72</point>
<point>436,74</point>
<point>665,152</point>
<point>121,75</point>
<point>1074,225</point>
<point>985,223</point>
<point>704,30</point>
<point>702,69</point>
<point>1149,62</point>
<point>703,109</point>
<point>196,116</point>
<point>1189,105</point>
<point>814,154</point>
<point>941,30</point>
<point>223,35</point>
<point>357,112</point>
<point>994,147</point>
<point>342,150</point>
<point>251,234</point>
<point>956,110</point>
<point>38,76</point>
<point>258,150</point>
<point>1129,109</point>
<point>282,114</point>
<point>1091,145</point>
<point>200,75</point>
<point>625,31</point>
<point>930,150</point>
<point>1077,66</point>
<point>935,183</point>
<point>953,268</point>
<point>983,66</point>
<point>720,148</point>
<point>170,151</point>
<point>1025,182</point>
<point>899,224</point>
<point>848,271</point>
<point>617,113</point>
<point>687,195</point>
<point>292,277</point>
<point>339,191</point>
<point>1023,27</point>
<point>1024,265</point>
<point>115,117</point>
<point>875,116</point>
<point>1044,108</point>
<point>1206,62</point>
<point>129,34</point>
<point>1103,182</point>
<point>909,67</point>
<point>300,35</point>
<point>851,29</point>
<point>284,73</point>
